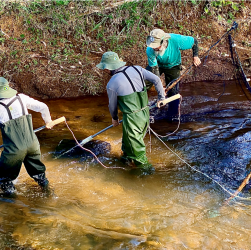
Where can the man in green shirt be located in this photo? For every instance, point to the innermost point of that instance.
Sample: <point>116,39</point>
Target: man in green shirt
<point>163,54</point>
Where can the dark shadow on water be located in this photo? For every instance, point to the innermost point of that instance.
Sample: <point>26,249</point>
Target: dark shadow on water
<point>96,146</point>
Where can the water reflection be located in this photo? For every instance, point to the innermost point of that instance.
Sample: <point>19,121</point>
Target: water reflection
<point>175,208</point>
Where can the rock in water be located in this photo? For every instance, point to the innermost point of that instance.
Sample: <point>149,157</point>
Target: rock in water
<point>96,146</point>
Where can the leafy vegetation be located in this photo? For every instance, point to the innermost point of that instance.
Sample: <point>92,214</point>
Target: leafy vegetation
<point>66,38</point>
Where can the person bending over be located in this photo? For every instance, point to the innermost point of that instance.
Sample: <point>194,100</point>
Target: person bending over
<point>126,89</point>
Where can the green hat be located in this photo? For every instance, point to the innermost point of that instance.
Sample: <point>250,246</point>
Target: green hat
<point>5,90</point>
<point>110,60</point>
<point>156,37</point>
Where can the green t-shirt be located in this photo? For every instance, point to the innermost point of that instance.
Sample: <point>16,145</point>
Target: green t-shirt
<point>171,56</point>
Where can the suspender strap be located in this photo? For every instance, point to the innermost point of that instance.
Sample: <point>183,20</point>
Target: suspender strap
<point>22,105</point>
<point>143,82</point>
<point>7,105</point>
<point>129,79</point>
<point>14,99</point>
<point>7,109</point>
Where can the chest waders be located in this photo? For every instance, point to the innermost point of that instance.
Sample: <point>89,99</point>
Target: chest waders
<point>20,146</point>
<point>135,122</point>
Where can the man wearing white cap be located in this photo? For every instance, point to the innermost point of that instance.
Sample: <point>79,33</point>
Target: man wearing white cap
<point>127,90</point>
<point>163,54</point>
<point>19,140</point>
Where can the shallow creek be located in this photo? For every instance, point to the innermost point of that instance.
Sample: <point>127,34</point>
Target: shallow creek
<point>175,208</point>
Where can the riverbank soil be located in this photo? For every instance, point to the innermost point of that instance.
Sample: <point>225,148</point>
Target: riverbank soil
<point>49,49</point>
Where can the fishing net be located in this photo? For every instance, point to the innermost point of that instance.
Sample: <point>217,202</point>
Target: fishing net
<point>240,75</point>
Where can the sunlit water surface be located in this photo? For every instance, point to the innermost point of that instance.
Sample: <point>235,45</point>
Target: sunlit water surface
<point>175,208</point>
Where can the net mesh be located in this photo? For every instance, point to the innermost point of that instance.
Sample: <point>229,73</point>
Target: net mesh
<point>221,64</point>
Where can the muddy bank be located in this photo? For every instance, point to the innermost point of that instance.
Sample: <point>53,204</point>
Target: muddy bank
<point>49,49</point>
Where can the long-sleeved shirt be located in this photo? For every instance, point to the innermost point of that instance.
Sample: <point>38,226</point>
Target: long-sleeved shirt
<point>120,86</point>
<point>16,108</point>
<point>172,55</point>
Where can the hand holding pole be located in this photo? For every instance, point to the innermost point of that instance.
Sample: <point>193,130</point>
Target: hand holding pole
<point>50,125</point>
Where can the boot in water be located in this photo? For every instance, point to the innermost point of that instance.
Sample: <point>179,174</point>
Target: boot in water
<point>143,169</point>
<point>8,188</point>
<point>44,184</point>
<point>146,169</point>
<point>127,161</point>
<point>41,180</point>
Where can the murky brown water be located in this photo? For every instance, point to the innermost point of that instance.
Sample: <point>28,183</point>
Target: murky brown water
<point>175,208</point>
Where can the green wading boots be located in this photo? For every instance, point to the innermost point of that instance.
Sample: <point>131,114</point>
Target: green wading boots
<point>139,168</point>
<point>146,169</point>
<point>125,160</point>
<point>143,169</point>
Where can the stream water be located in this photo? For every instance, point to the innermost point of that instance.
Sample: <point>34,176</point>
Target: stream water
<point>177,207</point>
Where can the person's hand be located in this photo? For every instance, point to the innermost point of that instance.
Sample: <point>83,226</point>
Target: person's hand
<point>49,125</point>
<point>160,104</point>
<point>115,123</point>
<point>196,61</point>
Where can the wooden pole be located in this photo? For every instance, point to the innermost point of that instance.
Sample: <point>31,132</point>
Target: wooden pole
<point>55,122</point>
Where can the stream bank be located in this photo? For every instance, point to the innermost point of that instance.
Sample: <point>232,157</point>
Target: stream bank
<point>49,49</point>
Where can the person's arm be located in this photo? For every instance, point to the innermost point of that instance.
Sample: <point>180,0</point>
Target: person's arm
<point>149,76</point>
<point>37,106</point>
<point>155,70</point>
<point>113,102</point>
<point>195,49</point>
<point>152,61</point>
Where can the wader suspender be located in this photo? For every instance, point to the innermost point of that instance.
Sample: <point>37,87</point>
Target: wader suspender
<point>7,106</point>
<point>143,82</point>
<point>129,79</point>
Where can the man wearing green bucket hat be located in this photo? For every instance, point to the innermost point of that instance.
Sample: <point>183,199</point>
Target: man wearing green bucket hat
<point>126,89</point>
<point>19,140</point>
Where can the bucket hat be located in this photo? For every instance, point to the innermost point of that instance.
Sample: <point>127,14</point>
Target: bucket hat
<point>5,90</point>
<point>110,60</point>
<point>155,38</point>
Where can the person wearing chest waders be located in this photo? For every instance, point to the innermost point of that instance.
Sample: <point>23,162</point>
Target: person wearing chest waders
<point>19,140</point>
<point>126,89</point>
<point>164,56</point>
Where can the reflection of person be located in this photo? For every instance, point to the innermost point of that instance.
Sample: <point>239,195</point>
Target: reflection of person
<point>163,53</point>
<point>20,142</point>
<point>127,89</point>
